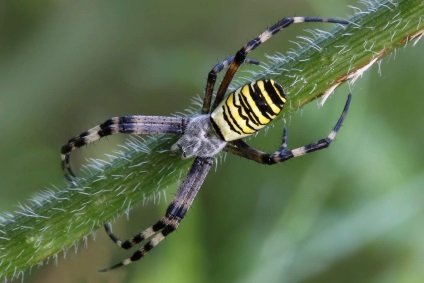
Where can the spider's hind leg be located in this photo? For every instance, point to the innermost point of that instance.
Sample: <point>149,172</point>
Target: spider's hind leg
<point>241,55</point>
<point>242,149</point>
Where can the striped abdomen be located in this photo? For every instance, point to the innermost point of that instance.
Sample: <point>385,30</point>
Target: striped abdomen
<point>248,109</point>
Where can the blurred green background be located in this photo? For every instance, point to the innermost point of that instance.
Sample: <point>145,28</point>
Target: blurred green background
<point>352,213</point>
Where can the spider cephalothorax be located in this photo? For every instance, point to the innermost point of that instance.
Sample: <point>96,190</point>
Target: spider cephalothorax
<point>199,139</point>
<point>221,127</point>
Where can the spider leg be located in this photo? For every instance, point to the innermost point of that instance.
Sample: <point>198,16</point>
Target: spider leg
<point>210,83</point>
<point>251,45</point>
<point>242,149</point>
<point>175,212</point>
<point>124,125</point>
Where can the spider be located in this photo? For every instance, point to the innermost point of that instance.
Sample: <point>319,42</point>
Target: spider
<point>218,128</point>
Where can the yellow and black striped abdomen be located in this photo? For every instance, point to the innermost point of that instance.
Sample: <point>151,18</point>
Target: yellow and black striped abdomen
<point>248,109</point>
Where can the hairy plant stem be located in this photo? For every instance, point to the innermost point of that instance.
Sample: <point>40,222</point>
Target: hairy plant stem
<point>57,219</point>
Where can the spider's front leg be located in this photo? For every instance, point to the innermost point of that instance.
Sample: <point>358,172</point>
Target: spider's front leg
<point>121,125</point>
<point>242,149</point>
<point>175,212</point>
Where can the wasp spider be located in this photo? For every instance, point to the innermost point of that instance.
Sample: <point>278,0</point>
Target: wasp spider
<point>220,127</point>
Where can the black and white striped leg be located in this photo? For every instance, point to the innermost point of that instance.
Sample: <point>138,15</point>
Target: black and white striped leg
<point>251,45</point>
<point>210,83</point>
<point>121,125</point>
<point>175,212</point>
<point>242,149</point>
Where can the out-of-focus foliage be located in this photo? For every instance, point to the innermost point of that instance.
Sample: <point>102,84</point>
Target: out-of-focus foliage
<point>350,213</point>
